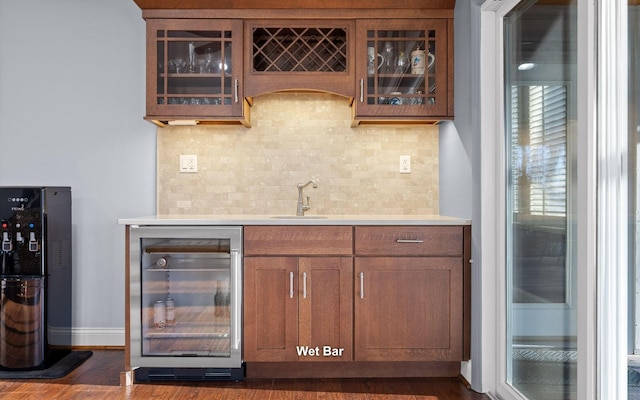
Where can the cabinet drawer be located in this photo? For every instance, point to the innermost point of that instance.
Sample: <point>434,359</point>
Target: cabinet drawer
<point>409,240</point>
<point>298,240</point>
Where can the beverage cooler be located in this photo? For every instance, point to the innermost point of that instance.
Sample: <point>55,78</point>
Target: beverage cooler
<point>35,276</point>
<point>186,303</point>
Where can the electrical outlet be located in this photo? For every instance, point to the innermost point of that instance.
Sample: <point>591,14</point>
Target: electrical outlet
<point>188,163</point>
<point>405,164</point>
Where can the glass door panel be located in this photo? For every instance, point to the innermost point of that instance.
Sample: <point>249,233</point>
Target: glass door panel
<point>402,68</point>
<point>193,68</point>
<point>398,71</point>
<point>196,69</point>
<point>186,297</point>
<point>540,108</point>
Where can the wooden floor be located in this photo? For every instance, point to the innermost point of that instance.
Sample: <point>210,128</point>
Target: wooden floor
<point>99,378</point>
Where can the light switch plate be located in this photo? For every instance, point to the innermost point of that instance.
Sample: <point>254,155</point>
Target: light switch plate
<point>188,163</point>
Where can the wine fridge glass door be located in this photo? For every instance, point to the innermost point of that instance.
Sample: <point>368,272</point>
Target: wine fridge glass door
<point>189,299</point>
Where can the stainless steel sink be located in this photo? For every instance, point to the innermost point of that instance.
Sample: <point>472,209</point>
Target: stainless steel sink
<point>298,217</point>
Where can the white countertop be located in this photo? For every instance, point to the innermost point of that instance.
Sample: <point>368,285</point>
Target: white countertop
<point>310,219</point>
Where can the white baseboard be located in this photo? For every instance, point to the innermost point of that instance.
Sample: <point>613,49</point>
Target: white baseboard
<point>465,370</point>
<point>97,337</point>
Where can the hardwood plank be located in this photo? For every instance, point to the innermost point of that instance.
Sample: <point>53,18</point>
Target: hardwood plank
<point>98,378</point>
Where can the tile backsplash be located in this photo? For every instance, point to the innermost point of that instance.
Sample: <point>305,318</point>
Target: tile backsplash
<point>296,137</point>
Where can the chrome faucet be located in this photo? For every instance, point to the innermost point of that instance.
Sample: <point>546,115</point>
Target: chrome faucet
<point>301,206</point>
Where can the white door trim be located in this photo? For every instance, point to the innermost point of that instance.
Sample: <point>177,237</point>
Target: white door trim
<point>612,188</point>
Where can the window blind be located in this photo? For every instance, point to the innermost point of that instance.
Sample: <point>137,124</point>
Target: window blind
<point>539,149</point>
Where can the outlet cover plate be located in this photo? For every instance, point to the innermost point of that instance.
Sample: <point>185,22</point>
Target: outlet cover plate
<point>405,164</point>
<point>188,163</point>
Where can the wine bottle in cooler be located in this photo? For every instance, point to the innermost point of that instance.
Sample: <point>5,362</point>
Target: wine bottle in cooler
<point>218,300</point>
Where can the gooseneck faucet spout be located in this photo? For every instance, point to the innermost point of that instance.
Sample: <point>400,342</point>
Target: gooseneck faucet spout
<point>301,206</point>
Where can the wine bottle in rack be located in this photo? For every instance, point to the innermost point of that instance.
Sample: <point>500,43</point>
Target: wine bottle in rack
<point>227,300</point>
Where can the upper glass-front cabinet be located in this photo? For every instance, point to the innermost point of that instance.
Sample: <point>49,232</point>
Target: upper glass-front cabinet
<point>403,68</point>
<point>194,69</point>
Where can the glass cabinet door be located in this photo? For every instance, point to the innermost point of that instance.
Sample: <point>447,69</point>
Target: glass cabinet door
<point>194,67</point>
<point>402,68</point>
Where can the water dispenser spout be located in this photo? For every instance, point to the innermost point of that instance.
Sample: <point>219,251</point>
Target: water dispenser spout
<point>7,245</point>
<point>33,243</point>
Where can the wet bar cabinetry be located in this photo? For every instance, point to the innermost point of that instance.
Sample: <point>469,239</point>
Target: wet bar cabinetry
<point>194,71</point>
<point>299,54</point>
<point>205,64</point>
<point>325,301</point>
<point>410,303</point>
<point>404,70</point>
<point>298,292</point>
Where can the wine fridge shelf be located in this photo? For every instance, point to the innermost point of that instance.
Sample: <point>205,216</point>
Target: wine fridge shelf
<point>191,248</point>
<point>155,269</point>
<point>192,325</point>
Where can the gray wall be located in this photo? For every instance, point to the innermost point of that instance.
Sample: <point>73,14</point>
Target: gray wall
<point>460,171</point>
<point>71,106</point>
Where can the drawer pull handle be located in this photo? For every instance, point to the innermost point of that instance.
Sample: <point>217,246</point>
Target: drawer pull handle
<point>235,84</point>
<point>361,285</point>
<point>304,285</point>
<point>409,241</point>
<point>291,285</point>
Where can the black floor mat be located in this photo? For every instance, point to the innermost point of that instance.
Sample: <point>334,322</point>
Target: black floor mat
<point>61,368</point>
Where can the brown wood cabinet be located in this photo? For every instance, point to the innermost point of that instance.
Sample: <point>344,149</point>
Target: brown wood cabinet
<point>411,293</point>
<point>403,298</point>
<point>296,54</point>
<point>341,5</point>
<point>404,70</point>
<point>206,62</point>
<point>298,307</point>
<point>408,309</point>
<point>195,71</point>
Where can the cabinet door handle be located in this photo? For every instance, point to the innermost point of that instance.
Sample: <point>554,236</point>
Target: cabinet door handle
<point>304,285</point>
<point>235,84</point>
<point>409,241</point>
<point>361,90</point>
<point>361,274</point>
<point>291,285</point>
<point>236,318</point>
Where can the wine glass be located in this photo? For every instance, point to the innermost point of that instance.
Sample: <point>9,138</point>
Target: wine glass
<point>388,54</point>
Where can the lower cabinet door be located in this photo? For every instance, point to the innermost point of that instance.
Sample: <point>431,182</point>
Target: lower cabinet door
<point>408,309</point>
<point>298,308</point>
<point>270,318</point>
<point>325,303</point>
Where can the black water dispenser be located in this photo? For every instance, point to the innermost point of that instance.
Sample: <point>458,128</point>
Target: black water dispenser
<point>35,276</point>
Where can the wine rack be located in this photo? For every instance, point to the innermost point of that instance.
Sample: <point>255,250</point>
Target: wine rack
<point>303,49</point>
<point>299,55</point>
